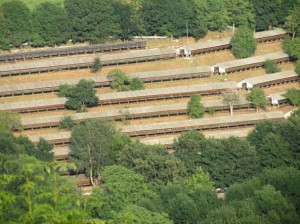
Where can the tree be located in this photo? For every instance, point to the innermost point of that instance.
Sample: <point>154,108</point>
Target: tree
<point>243,43</point>
<point>271,66</point>
<point>292,20</point>
<point>195,107</point>
<point>92,20</point>
<point>66,122</point>
<point>258,98</point>
<point>136,84</point>
<point>81,95</point>
<point>266,13</point>
<point>44,150</point>
<point>19,23</point>
<point>293,95</point>
<point>291,47</point>
<point>153,162</point>
<point>188,148</point>
<point>241,13</point>
<point>93,146</point>
<point>50,24</point>
<point>212,13</point>
<point>297,67</point>
<point>228,160</point>
<point>138,214</point>
<point>97,66</point>
<point>119,80</point>
<point>10,121</point>
<point>231,97</point>
<point>121,188</point>
<point>5,33</point>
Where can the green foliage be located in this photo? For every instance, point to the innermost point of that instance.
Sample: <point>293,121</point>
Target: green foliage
<point>119,80</point>
<point>211,110</point>
<point>153,162</point>
<point>81,95</point>
<point>50,25</point>
<point>293,95</point>
<point>67,122</point>
<point>292,20</point>
<point>92,20</point>
<point>266,13</point>
<point>188,148</point>
<point>241,13</point>
<point>200,31</point>
<point>33,192</point>
<point>271,66</point>
<point>44,151</point>
<point>297,67</point>
<point>94,146</point>
<point>195,107</point>
<point>5,33</point>
<point>121,188</point>
<point>136,84</point>
<point>231,97</point>
<point>243,43</point>
<point>19,23</point>
<point>137,214</point>
<point>97,66</point>
<point>257,97</point>
<point>291,47</point>
<point>10,121</point>
<point>63,90</point>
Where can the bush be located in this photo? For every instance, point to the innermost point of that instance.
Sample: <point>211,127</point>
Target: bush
<point>195,107</point>
<point>243,43</point>
<point>97,66</point>
<point>119,79</point>
<point>136,84</point>
<point>200,31</point>
<point>67,122</point>
<point>271,66</point>
<point>212,111</point>
<point>63,90</point>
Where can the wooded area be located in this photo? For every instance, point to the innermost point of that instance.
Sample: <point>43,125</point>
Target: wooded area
<point>97,21</point>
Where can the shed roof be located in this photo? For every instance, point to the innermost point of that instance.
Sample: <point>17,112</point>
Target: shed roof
<point>209,44</point>
<point>252,60</point>
<point>269,33</point>
<point>278,96</point>
<point>203,122</point>
<point>271,77</point>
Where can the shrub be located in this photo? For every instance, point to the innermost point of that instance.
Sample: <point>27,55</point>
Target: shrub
<point>212,111</point>
<point>136,84</point>
<point>119,79</point>
<point>67,122</point>
<point>243,43</point>
<point>195,107</point>
<point>97,66</point>
<point>63,90</point>
<point>271,66</point>
<point>200,31</point>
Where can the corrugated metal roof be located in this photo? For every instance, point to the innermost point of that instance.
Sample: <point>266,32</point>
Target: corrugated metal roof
<point>269,33</point>
<point>271,77</point>
<point>252,60</point>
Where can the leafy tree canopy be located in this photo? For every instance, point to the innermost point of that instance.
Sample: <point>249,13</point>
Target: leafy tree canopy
<point>195,107</point>
<point>243,43</point>
<point>258,98</point>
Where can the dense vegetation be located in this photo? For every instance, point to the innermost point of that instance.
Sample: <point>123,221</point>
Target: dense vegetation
<point>138,183</point>
<point>95,21</point>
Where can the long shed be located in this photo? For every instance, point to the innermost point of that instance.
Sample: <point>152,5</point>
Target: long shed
<point>269,79</point>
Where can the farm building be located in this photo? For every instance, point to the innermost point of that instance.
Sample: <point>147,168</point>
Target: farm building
<point>168,142</point>
<point>57,52</point>
<point>129,113</point>
<point>277,98</point>
<point>102,81</point>
<point>269,79</point>
<point>249,63</point>
<point>63,138</point>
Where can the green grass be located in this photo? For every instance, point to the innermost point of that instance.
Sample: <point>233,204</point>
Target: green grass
<point>32,3</point>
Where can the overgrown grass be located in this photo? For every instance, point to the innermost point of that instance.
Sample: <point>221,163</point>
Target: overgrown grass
<point>32,3</point>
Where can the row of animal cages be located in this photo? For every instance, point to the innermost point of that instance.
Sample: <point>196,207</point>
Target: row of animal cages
<point>151,76</point>
<point>117,59</point>
<point>63,153</point>
<point>104,81</point>
<point>38,67</point>
<point>132,113</point>
<point>125,97</point>
<point>236,121</point>
<point>67,51</point>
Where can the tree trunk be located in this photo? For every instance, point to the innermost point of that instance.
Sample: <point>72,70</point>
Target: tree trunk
<point>233,28</point>
<point>231,110</point>
<point>257,109</point>
<point>91,167</point>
